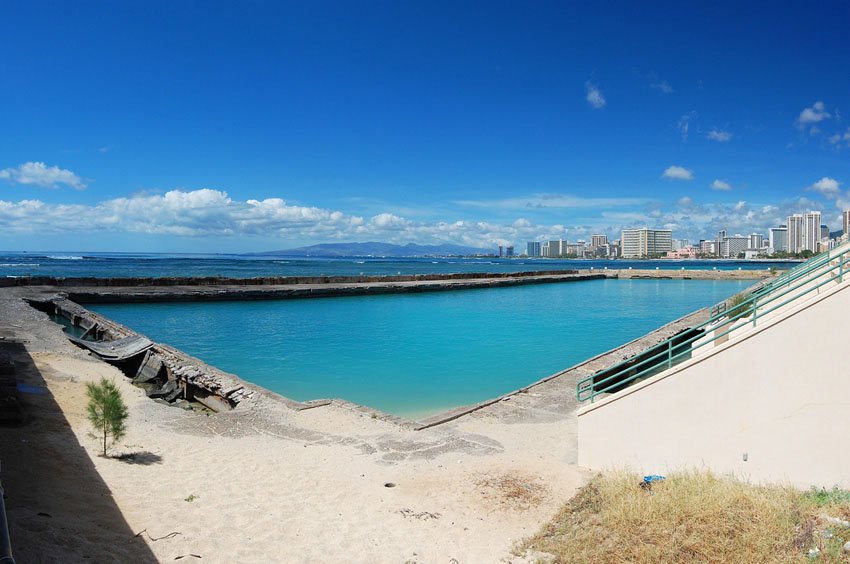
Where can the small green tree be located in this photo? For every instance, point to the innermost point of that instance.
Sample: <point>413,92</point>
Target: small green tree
<point>106,410</point>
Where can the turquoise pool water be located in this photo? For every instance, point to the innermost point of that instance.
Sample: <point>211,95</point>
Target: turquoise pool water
<point>416,354</point>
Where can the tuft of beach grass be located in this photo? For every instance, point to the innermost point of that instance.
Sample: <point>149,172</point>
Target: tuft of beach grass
<point>695,517</point>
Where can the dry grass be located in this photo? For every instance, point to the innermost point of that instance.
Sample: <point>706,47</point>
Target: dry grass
<point>511,490</point>
<point>693,517</point>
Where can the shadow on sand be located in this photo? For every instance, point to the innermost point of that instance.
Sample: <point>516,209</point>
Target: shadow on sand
<point>58,506</point>
<point>142,458</point>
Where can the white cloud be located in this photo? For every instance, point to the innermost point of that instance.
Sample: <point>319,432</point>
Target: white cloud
<point>827,186</point>
<point>39,174</point>
<point>594,96</point>
<point>209,213</point>
<point>678,173</point>
<point>388,221</point>
<point>719,135</point>
<point>684,124</point>
<point>213,213</point>
<point>839,137</point>
<point>721,185</point>
<point>815,114</point>
<point>544,201</point>
<point>663,86</point>
<point>811,116</point>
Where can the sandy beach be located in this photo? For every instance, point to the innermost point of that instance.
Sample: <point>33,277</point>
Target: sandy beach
<point>265,483</point>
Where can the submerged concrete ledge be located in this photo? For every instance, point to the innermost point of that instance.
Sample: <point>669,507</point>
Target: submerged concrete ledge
<point>124,290</point>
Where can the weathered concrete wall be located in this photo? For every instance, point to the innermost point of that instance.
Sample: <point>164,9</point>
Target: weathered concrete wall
<point>94,282</point>
<point>770,404</point>
<point>124,290</point>
<point>203,292</point>
<point>693,274</point>
<point>257,281</point>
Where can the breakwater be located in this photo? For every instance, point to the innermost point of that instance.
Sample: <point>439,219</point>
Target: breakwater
<point>174,289</point>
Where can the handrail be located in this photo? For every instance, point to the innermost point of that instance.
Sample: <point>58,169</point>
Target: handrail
<point>813,262</point>
<point>677,349</point>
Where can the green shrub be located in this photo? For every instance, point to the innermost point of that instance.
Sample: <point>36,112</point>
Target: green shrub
<point>106,411</point>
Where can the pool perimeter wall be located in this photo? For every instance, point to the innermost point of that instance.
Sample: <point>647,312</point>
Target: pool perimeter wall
<point>220,390</point>
<point>132,290</point>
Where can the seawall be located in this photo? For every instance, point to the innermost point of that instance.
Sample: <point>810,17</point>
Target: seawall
<point>126,290</point>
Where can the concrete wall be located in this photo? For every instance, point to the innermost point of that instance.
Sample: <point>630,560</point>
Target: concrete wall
<point>778,394</point>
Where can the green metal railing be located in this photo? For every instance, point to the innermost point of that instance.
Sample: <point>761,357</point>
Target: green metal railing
<point>801,280</point>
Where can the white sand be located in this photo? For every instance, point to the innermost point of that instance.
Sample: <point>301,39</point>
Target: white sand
<point>311,490</point>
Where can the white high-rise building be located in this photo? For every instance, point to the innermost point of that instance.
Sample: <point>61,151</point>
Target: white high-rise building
<point>777,240</point>
<point>731,247</point>
<point>845,221</point>
<point>811,231</point>
<point>708,248</point>
<point>795,233</point>
<point>756,241</point>
<point>645,242</point>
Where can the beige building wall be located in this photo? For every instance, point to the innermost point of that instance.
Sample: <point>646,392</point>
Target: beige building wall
<point>772,404</point>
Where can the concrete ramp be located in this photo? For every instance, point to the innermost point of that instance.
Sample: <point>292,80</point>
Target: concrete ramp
<point>766,401</point>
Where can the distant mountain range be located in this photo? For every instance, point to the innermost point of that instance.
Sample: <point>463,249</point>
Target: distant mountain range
<point>379,250</point>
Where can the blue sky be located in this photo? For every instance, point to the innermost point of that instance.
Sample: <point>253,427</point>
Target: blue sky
<point>221,127</point>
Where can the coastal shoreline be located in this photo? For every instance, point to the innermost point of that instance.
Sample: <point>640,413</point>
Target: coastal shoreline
<point>266,463</point>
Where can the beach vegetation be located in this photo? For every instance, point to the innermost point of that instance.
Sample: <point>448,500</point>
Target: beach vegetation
<point>107,412</point>
<point>737,306</point>
<point>695,517</point>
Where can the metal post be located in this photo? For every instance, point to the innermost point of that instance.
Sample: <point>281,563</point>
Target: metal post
<point>669,354</point>
<point>755,310</point>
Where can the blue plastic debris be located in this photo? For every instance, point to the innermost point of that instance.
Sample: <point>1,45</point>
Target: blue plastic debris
<point>649,480</point>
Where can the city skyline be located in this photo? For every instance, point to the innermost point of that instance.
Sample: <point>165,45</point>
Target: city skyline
<point>800,233</point>
<point>279,126</point>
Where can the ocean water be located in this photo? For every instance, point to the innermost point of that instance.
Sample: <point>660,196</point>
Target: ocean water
<point>106,265</point>
<point>417,354</point>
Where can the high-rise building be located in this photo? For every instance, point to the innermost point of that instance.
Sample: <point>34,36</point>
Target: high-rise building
<point>824,231</point>
<point>777,240</point>
<point>645,242</point>
<point>574,249</point>
<point>557,248</point>
<point>731,247</point>
<point>532,249</point>
<point>756,241</point>
<point>795,233</point>
<point>708,248</point>
<point>597,241</point>
<point>811,231</point>
<point>679,244</point>
<point>845,221</point>
<point>544,250</point>
<point>509,251</point>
